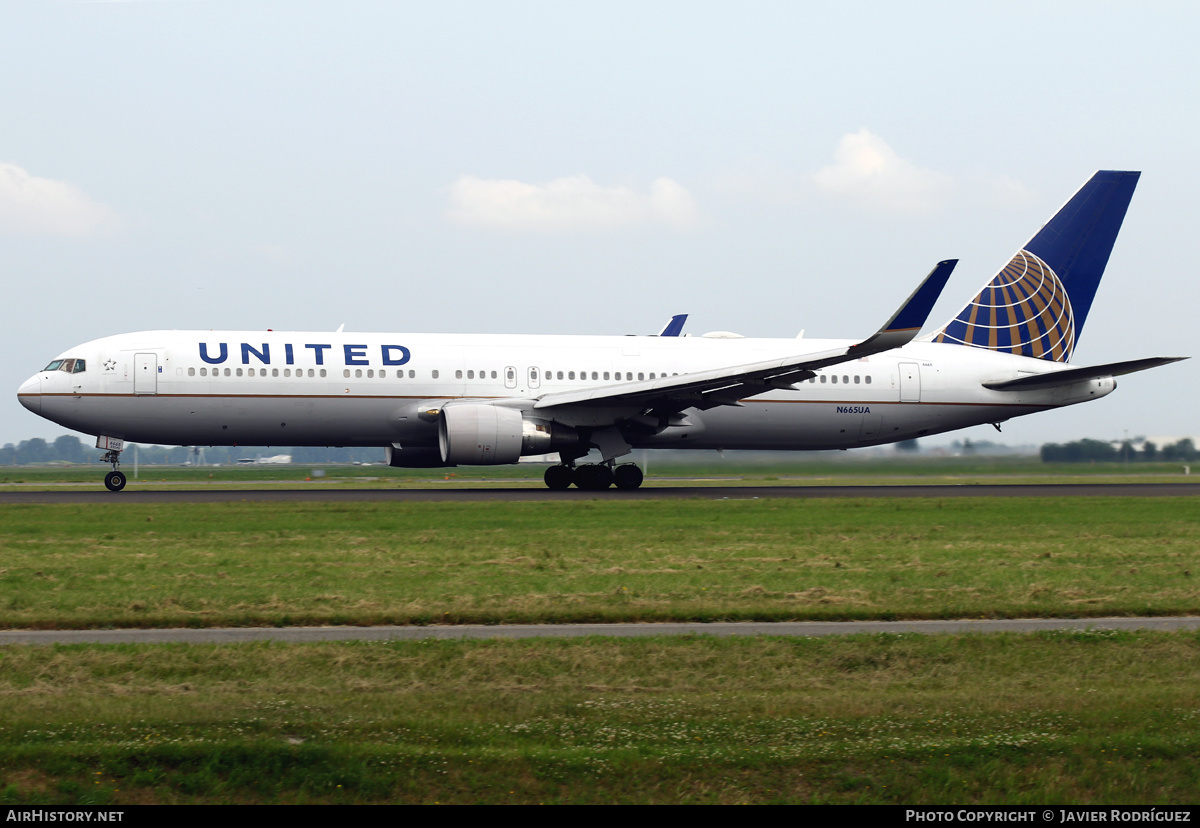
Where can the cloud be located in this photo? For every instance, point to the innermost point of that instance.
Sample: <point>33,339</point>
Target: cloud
<point>867,172</point>
<point>571,203</point>
<point>32,206</point>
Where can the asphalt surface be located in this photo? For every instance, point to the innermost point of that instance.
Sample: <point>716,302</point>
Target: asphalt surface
<point>274,494</point>
<point>235,635</point>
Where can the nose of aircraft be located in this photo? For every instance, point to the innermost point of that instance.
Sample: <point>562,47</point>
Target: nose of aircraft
<point>30,394</point>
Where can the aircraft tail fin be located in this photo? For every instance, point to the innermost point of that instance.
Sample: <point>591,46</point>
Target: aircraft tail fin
<point>1037,304</point>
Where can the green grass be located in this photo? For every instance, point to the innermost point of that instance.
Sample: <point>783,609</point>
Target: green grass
<point>375,563</point>
<point>1101,718</point>
<point>1044,719</point>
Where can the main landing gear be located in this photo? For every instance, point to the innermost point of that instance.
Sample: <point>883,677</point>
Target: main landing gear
<point>115,480</point>
<point>593,477</point>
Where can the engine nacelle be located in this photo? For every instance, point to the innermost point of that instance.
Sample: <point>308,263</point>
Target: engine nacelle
<point>489,435</point>
<point>480,435</point>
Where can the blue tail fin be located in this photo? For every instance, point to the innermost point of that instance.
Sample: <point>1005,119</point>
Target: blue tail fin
<point>1036,306</point>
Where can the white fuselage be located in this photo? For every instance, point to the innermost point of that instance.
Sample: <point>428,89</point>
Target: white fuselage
<point>369,389</point>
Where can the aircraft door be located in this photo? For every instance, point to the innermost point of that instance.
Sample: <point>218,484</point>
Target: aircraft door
<point>510,377</point>
<point>910,382</point>
<point>145,373</point>
<point>535,377</point>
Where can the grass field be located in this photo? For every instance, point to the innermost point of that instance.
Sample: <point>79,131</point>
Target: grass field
<point>1072,718</point>
<point>1041,719</point>
<point>373,563</point>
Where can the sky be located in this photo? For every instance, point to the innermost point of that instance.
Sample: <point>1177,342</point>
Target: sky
<point>589,167</point>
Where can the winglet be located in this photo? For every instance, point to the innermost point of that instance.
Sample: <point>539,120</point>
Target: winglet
<point>906,322</point>
<point>675,326</point>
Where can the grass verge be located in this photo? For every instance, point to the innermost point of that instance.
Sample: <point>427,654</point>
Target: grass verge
<point>242,564</point>
<point>1100,717</point>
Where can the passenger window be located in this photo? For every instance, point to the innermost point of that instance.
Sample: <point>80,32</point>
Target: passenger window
<point>412,373</point>
<point>470,375</point>
<point>191,372</point>
<point>346,373</point>
<point>606,374</point>
<point>595,375</point>
<point>822,379</point>
<point>845,379</point>
<point>560,374</point>
<point>204,372</point>
<point>570,375</point>
<point>641,376</point>
<point>358,373</point>
<point>250,371</point>
<point>856,379</point>
<point>287,372</point>
<point>435,373</point>
<point>868,379</point>
<point>458,374</point>
<point>493,374</point>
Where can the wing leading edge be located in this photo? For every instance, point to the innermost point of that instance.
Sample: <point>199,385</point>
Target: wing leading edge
<point>725,386</point>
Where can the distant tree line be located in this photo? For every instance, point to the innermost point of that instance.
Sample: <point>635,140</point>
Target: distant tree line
<point>70,449</point>
<point>1097,451</point>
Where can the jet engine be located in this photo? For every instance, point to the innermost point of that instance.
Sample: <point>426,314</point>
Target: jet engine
<point>419,457</point>
<point>490,435</point>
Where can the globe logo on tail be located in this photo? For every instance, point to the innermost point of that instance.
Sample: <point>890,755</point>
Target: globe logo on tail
<point>1025,310</point>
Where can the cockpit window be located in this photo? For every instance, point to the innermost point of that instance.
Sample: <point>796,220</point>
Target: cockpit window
<point>71,366</point>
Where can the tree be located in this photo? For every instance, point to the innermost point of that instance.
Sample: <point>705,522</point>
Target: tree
<point>69,448</point>
<point>33,451</point>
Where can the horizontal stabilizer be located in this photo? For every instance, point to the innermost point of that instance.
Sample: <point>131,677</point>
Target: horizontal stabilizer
<point>1056,378</point>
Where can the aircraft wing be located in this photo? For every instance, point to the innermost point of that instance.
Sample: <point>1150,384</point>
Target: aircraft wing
<point>725,386</point>
<point>1070,375</point>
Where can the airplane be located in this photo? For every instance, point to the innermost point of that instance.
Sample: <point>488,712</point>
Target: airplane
<point>438,400</point>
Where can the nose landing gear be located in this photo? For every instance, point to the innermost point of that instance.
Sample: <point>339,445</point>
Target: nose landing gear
<point>115,480</point>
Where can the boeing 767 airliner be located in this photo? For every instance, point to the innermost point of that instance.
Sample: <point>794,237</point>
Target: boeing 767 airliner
<point>445,400</point>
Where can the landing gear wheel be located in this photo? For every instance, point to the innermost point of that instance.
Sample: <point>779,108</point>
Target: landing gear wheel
<point>593,478</point>
<point>558,478</point>
<point>627,476</point>
<point>114,481</point>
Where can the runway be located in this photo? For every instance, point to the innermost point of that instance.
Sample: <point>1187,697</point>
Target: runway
<point>300,635</point>
<point>272,494</point>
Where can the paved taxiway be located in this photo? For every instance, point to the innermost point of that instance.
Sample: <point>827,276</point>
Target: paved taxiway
<point>234,635</point>
<point>133,495</point>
